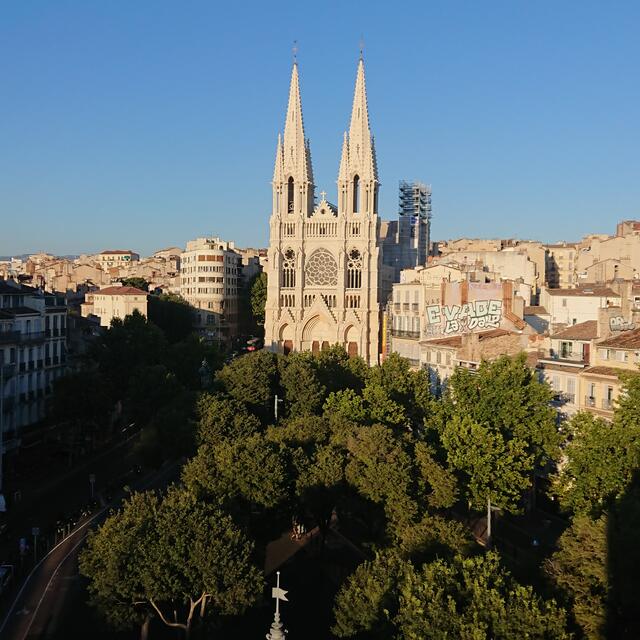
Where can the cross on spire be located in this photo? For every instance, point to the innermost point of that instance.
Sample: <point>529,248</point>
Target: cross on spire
<point>294,50</point>
<point>323,194</point>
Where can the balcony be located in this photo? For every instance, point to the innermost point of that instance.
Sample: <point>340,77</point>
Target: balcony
<point>589,401</point>
<point>415,307</point>
<point>29,338</point>
<point>8,370</point>
<point>607,404</point>
<point>39,363</point>
<point>47,361</point>
<point>56,360</point>
<point>400,333</point>
<point>7,337</point>
<point>23,367</point>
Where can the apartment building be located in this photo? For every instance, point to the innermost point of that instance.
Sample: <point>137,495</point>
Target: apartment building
<point>569,354</point>
<point>560,265</point>
<point>211,281</point>
<point>116,258</point>
<point>567,307</point>
<point>114,302</point>
<point>423,309</point>
<point>33,353</point>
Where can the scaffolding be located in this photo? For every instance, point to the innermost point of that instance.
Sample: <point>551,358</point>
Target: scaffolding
<point>415,199</point>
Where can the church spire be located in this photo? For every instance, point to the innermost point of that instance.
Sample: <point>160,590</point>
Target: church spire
<point>297,160</point>
<point>361,151</point>
<point>278,170</point>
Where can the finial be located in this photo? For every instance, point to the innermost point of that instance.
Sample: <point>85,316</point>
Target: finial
<point>361,47</point>
<point>294,50</point>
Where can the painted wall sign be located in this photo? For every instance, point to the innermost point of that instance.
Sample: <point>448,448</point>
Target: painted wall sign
<point>452,319</point>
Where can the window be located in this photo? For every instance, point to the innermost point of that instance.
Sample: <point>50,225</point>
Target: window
<point>290,195</point>
<point>356,193</point>
<point>289,269</point>
<point>354,270</point>
<point>321,269</point>
<point>564,302</point>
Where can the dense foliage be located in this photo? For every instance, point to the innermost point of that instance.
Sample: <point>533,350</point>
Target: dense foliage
<point>400,472</point>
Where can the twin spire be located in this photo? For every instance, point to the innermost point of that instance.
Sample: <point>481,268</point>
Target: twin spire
<point>293,154</point>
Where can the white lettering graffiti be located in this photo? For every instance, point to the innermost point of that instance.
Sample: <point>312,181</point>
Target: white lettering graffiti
<point>618,323</point>
<point>448,319</point>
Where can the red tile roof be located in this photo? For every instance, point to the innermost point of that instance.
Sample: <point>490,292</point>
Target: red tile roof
<point>582,331</point>
<point>610,372</point>
<point>625,340</point>
<point>120,291</point>
<point>535,310</point>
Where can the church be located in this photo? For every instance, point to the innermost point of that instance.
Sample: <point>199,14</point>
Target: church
<point>326,281</point>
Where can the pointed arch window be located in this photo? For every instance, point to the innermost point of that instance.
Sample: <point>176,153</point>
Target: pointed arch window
<point>356,194</point>
<point>289,269</point>
<point>290,195</point>
<point>354,269</point>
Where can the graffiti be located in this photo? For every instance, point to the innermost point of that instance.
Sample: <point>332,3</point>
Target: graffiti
<point>450,319</point>
<point>618,323</point>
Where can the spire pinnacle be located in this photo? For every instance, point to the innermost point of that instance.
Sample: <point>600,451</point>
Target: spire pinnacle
<point>361,152</point>
<point>296,160</point>
<point>278,170</point>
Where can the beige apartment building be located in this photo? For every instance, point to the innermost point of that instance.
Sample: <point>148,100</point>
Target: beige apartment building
<point>561,265</point>
<point>210,281</point>
<point>115,258</point>
<point>566,307</point>
<point>601,260</point>
<point>114,302</point>
<point>424,314</point>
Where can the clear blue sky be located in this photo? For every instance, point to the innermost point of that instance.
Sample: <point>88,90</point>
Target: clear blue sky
<point>142,124</point>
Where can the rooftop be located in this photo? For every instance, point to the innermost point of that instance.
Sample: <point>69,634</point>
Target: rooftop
<point>625,340</point>
<point>456,341</point>
<point>115,251</point>
<point>535,310</point>
<point>120,291</point>
<point>610,372</point>
<point>592,291</point>
<point>582,331</point>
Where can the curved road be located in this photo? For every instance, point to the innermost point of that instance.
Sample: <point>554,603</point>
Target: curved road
<point>34,611</point>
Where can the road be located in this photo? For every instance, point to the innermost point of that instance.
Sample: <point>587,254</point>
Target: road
<point>51,586</point>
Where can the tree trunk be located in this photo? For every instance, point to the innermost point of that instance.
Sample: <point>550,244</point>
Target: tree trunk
<point>144,628</point>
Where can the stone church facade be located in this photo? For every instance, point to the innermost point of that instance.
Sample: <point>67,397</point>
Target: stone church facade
<point>324,266</point>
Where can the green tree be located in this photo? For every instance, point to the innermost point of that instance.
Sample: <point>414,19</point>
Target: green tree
<point>436,483</point>
<point>381,470</point>
<point>579,570</point>
<point>222,418</point>
<point>601,458</point>
<point>128,344</point>
<point>506,396</point>
<point>258,296</point>
<point>493,467</point>
<point>304,393</point>
<point>172,314</point>
<point>473,598</point>
<point>346,405</point>
<point>112,560</point>
<point>138,283</point>
<point>198,560</point>
<point>253,380</point>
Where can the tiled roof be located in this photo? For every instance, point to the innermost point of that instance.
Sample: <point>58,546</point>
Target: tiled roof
<point>611,372</point>
<point>456,341</point>
<point>22,311</point>
<point>601,292</point>
<point>582,331</point>
<point>120,291</point>
<point>535,310</point>
<point>625,340</point>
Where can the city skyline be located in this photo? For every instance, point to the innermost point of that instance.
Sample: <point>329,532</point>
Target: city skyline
<point>147,128</point>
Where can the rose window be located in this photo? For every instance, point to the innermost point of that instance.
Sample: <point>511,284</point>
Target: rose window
<point>321,269</point>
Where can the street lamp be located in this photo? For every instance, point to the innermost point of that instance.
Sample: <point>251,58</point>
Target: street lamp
<point>276,401</point>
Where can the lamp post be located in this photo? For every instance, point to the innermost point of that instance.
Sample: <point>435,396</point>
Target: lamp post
<point>276,401</point>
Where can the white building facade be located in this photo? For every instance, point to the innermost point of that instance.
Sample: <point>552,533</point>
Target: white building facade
<point>324,260</point>
<point>210,281</point>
